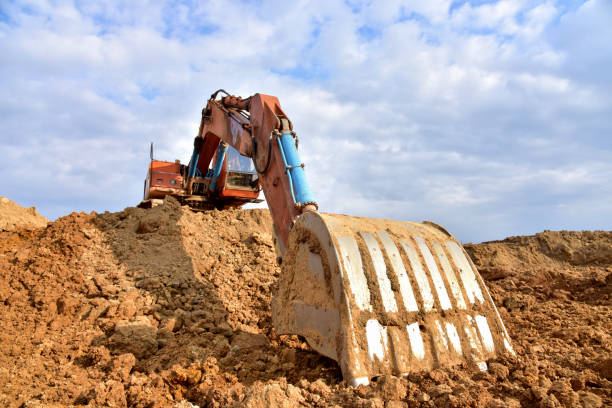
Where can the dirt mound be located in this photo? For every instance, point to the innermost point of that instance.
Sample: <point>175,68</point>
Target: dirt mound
<point>548,249</point>
<point>13,216</point>
<point>165,307</point>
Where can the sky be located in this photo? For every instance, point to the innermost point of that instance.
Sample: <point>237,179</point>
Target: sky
<point>490,118</point>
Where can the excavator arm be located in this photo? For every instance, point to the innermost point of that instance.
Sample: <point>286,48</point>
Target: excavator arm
<point>258,128</point>
<point>378,296</point>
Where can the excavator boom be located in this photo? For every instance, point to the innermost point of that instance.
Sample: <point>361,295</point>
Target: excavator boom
<point>268,138</point>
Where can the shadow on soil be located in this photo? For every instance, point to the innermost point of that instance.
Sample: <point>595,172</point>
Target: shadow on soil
<point>189,317</point>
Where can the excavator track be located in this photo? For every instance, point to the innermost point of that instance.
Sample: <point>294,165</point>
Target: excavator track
<point>385,297</point>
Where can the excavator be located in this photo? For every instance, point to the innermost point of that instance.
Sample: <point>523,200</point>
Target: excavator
<point>378,296</point>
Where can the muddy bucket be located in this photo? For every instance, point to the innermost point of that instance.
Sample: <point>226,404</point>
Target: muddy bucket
<point>385,297</point>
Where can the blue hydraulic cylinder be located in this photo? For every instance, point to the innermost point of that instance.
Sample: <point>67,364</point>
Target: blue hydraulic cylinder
<point>194,167</point>
<point>297,176</point>
<point>218,165</point>
<point>193,163</point>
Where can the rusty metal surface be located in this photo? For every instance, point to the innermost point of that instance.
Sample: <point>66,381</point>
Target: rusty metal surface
<point>236,102</point>
<point>265,112</point>
<point>385,297</point>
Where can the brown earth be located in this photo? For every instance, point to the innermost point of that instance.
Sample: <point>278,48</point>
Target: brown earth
<point>169,308</point>
<point>13,216</point>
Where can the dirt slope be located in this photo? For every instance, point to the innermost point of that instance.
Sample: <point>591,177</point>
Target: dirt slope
<point>166,307</point>
<point>13,216</point>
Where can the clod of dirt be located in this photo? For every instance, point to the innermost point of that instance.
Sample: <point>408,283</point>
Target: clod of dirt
<point>169,308</point>
<point>138,337</point>
<point>274,395</point>
<point>605,368</point>
<point>13,216</point>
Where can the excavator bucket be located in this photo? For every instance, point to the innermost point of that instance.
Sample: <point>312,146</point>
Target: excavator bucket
<point>385,297</point>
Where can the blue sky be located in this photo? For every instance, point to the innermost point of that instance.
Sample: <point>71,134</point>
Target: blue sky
<point>490,118</point>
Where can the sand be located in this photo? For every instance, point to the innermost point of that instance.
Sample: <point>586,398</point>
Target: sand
<point>165,307</point>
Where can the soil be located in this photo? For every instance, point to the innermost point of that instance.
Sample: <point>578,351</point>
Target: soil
<point>13,216</point>
<point>165,307</point>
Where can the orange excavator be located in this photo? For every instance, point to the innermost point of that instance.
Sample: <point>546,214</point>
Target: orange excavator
<point>378,296</point>
<point>217,176</point>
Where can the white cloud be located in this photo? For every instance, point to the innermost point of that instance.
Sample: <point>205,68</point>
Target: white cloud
<point>491,120</point>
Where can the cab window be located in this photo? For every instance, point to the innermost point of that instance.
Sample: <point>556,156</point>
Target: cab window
<point>237,162</point>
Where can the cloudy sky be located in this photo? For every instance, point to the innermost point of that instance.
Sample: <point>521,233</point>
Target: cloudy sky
<point>490,118</point>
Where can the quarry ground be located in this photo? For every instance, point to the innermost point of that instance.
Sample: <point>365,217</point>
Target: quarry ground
<point>169,308</point>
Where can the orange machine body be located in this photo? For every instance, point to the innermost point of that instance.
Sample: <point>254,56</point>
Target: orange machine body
<point>233,188</point>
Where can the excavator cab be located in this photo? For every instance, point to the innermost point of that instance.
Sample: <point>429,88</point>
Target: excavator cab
<point>236,182</point>
<point>241,174</point>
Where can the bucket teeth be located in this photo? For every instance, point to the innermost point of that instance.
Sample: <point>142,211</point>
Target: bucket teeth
<point>385,297</point>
